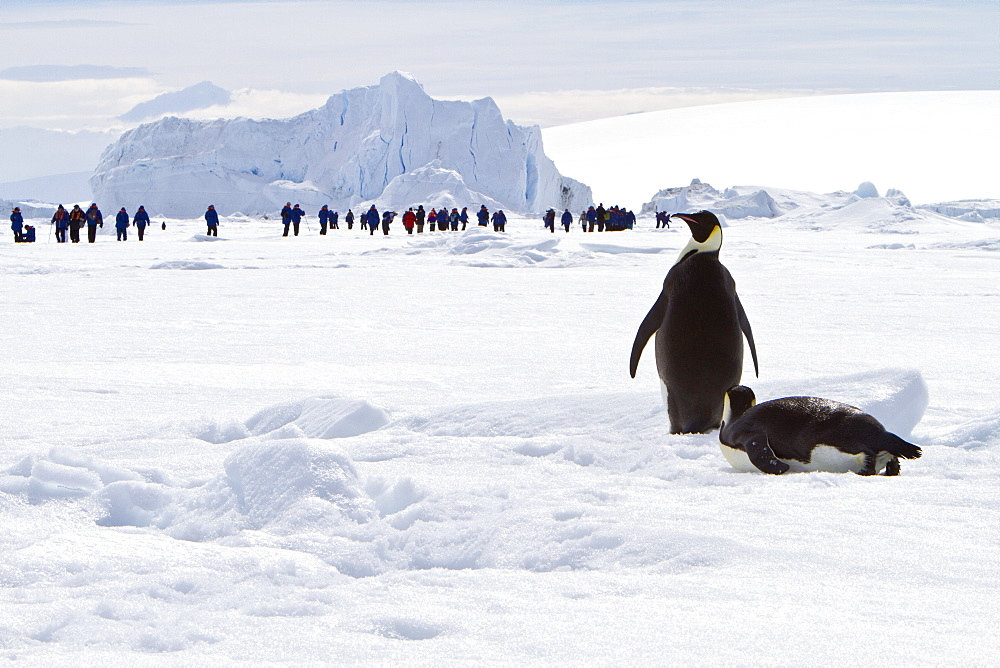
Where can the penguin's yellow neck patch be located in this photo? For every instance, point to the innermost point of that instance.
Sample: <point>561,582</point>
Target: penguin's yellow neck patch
<point>710,245</point>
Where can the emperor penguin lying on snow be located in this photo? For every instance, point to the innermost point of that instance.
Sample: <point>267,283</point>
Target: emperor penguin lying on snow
<point>806,434</point>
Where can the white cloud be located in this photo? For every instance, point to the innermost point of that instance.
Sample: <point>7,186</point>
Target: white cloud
<point>253,103</point>
<point>90,104</point>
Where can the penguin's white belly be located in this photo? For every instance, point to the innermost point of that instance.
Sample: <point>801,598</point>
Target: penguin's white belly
<point>830,459</point>
<point>824,458</point>
<point>738,459</point>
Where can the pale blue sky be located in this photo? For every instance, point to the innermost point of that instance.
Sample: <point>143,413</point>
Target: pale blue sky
<point>526,52</point>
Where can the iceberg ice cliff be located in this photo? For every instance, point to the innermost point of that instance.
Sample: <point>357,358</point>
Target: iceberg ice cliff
<point>345,153</point>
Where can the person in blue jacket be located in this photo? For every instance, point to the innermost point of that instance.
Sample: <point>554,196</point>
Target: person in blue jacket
<point>455,218</point>
<point>464,217</point>
<point>94,220</point>
<point>212,220</point>
<point>61,220</point>
<point>28,236</point>
<point>286,217</point>
<point>371,219</point>
<point>591,218</point>
<point>16,223</point>
<point>121,224</point>
<point>483,215</point>
<point>140,220</point>
<point>324,216</point>
<point>566,219</point>
<point>334,216</point>
<point>387,217</point>
<point>296,218</point>
<point>499,221</point>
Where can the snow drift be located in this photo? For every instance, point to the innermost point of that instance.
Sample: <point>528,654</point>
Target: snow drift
<point>344,153</point>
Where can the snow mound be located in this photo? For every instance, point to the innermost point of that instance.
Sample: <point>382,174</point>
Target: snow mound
<point>755,205</point>
<point>478,247</point>
<point>281,486</point>
<point>187,264</point>
<point>314,417</point>
<point>973,434</point>
<point>866,190</point>
<point>612,249</point>
<point>895,397</point>
<point>62,473</point>
<point>346,152</point>
<point>531,417</point>
<point>978,244</point>
<point>433,186</point>
<point>268,479</point>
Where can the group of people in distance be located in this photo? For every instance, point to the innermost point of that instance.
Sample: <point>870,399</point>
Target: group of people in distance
<point>610,219</point>
<point>68,224</point>
<point>413,219</point>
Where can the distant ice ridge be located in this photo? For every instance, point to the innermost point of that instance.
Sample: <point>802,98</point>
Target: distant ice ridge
<point>863,206</point>
<point>391,143</point>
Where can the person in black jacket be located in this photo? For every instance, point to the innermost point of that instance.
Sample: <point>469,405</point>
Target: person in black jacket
<point>76,220</point>
<point>550,220</point>
<point>421,217</point>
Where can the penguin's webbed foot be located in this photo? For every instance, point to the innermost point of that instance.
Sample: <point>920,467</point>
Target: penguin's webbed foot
<point>892,468</point>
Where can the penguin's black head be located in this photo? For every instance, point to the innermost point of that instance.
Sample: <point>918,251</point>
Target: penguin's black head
<point>739,399</point>
<point>702,224</point>
<point>706,234</point>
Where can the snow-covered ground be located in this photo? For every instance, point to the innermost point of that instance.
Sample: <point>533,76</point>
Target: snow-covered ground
<point>427,449</point>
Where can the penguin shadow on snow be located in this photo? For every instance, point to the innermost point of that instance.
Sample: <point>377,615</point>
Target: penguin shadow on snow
<point>699,324</point>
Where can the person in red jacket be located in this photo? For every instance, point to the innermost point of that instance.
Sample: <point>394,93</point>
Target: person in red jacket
<point>409,220</point>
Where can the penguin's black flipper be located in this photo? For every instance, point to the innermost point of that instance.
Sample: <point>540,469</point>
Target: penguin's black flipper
<point>747,332</point>
<point>649,325</point>
<point>762,456</point>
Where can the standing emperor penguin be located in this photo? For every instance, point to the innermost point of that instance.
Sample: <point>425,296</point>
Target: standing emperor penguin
<point>699,325</point>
